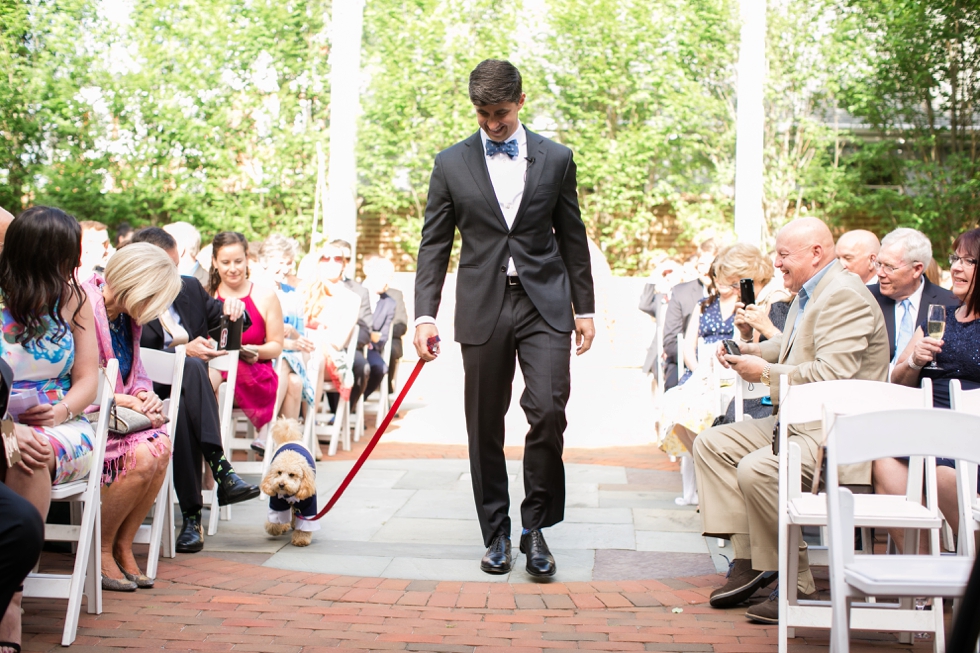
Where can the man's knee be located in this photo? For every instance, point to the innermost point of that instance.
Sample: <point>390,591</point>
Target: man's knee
<point>756,472</point>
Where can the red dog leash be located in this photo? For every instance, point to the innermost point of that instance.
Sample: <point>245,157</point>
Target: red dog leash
<point>377,436</point>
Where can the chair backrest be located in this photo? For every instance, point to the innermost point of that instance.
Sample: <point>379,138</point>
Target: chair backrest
<point>964,401</point>
<point>804,403</point>
<point>167,369</point>
<point>745,390</point>
<point>227,363</point>
<point>104,397</point>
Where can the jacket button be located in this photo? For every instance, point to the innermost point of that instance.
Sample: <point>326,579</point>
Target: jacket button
<point>510,235</point>
<point>503,268</point>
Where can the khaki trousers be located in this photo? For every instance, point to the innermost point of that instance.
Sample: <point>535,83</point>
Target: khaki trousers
<point>738,485</point>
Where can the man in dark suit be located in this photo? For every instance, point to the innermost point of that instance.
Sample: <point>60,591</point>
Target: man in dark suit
<point>684,299</point>
<point>390,319</point>
<point>903,291</point>
<point>524,284</point>
<point>197,433</point>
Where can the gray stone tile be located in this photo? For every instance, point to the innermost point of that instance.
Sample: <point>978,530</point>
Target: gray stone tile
<point>599,515</point>
<point>472,551</point>
<point>376,478</point>
<point>591,536</point>
<point>574,565</point>
<point>429,531</point>
<point>639,565</point>
<point>657,519</point>
<point>301,559</point>
<point>361,512</point>
<point>582,495</point>
<point>434,569</point>
<point>428,479</point>
<point>670,542</point>
<point>627,499</point>
<point>439,504</point>
<point>575,473</point>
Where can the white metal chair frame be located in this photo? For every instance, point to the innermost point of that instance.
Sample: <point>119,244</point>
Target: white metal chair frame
<point>893,433</point>
<point>226,400</point>
<point>802,404</point>
<point>86,577</point>
<point>168,369</point>
<point>966,401</point>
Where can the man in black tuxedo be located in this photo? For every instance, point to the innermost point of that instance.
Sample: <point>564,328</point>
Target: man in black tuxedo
<point>524,284</point>
<point>197,433</point>
<point>903,291</point>
<point>684,298</point>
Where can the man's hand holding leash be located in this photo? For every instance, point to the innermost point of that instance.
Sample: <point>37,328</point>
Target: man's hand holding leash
<point>424,345</point>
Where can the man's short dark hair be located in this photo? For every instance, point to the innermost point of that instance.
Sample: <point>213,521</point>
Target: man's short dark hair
<point>494,81</point>
<point>155,236</point>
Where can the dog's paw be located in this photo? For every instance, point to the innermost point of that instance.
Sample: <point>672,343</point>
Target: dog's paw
<point>302,538</point>
<point>276,530</point>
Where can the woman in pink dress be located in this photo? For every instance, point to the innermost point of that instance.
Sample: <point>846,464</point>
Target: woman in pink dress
<point>257,384</point>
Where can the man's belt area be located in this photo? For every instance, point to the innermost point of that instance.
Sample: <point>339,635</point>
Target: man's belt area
<point>514,282</point>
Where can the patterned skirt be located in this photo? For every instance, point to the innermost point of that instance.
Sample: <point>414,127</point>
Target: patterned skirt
<point>71,443</point>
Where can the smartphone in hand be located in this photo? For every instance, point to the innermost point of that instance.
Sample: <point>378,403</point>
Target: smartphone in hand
<point>731,348</point>
<point>249,354</point>
<point>746,288</point>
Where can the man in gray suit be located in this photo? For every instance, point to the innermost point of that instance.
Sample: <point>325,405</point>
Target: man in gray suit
<point>684,299</point>
<point>834,330</point>
<point>523,286</point>
<point>903,291</point>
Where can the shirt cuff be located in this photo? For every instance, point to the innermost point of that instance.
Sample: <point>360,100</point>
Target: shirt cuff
<point>585,316</point>
<point>424,319</point>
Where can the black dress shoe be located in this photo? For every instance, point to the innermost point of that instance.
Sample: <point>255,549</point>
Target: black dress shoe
<point>191,538</point>
<point>540,562</point>
<point>497,558</point>
<point>234,490</point>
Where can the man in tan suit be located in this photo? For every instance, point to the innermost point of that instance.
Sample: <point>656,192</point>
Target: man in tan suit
<point>834,330</point>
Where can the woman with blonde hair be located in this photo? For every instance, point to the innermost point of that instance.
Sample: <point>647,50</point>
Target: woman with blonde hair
<point>694,403</point>
<point>140,283</point>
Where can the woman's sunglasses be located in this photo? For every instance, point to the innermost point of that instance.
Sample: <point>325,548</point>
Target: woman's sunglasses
<point>329,259</point>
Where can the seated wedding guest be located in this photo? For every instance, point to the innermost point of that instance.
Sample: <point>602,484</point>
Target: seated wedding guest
<point>857,251</point>
<point>367,376</point>
<point>692,405</point>
<point>834,330</point>
<point>903,291</point>
<point>684,299</point>
<point>124,234</point>
<point>277,256</point>
<point>257,384</point>
<point>96,249</point>
<point>955,356</point>
<point>197,433</point>
<point>49,344</point>
<point>331,312</point>
<point>140,283</point>
<point>21,539</point>
<point>390,318</point>
<point>188,247</point>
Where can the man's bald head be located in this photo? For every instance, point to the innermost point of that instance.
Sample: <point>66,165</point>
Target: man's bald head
<point>857,251</point>
<point>803,247</point>
<point>5,219</point>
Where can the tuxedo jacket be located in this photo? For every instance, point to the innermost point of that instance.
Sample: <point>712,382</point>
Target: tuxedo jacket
<point>198,313</point>
<point>547,240</point>
<point>840,336</point>
<point>931,294</point>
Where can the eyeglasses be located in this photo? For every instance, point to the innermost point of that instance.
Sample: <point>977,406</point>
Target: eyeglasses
<point>331,259</point>
<point>968,262</point>
<point>889,269</point>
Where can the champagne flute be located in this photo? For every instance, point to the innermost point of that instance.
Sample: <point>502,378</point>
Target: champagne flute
<point>936,323</point>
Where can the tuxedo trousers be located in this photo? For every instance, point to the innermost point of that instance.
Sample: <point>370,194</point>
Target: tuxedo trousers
<point>543,353</point>
<point>197,426</point>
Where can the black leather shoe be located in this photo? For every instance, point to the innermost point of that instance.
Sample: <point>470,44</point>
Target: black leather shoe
<point>540,562</point>
<point>234,490</point>
<point>191,538</point>
<point>497,558</point>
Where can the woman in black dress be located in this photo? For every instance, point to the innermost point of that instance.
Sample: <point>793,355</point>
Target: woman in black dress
<point>957,356</point>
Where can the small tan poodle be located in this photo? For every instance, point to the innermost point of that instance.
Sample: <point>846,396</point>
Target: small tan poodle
<point>290,484</point>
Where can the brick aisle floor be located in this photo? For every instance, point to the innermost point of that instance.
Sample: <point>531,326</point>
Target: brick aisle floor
<point>206,603</point>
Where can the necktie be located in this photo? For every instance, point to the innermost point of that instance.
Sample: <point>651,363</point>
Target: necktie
<point>904,329</point>
<point>509,148</point>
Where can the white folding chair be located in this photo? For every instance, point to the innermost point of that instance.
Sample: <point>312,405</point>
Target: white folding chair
<point>167,369</point>
<point>745,390</point>
<point>385,399</point>
<point>339,432</point>
<point>804,403</point>
<point>966,401</point>
<point>680,356</point>
<point>864,437</point>
<point>226,400</point>
<point>85,497</point>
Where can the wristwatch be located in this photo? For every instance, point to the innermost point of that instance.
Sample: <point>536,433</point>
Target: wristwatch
<point>765,374</point>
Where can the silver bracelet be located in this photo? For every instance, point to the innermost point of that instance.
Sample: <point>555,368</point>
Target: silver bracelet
<point>912,364</point>
<point>71,416</point>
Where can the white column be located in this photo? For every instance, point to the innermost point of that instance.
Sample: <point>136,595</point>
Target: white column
<point>750,119</point>
<point>345,64</point>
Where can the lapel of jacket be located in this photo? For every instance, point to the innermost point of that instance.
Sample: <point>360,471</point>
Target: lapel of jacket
<point>928,297</point>
<point>888,312</point>
<point>537,153</point>
<point>794,309</point>
<point>476,161</point>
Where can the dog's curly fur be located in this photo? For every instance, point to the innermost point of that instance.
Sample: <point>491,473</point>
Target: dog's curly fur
<point>289,475</point>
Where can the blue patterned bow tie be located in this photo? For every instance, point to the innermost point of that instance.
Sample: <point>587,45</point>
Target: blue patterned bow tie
<point>509,148</point>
